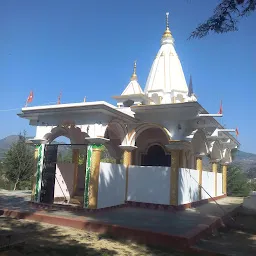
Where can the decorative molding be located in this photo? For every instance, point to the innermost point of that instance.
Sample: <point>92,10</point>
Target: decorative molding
<point>96,140</point>
<point>215,161</point>
<point>36,141</point>
<point>127,147</point>
<point>178,145</point>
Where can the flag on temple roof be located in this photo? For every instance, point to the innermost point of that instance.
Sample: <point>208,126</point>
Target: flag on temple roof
<point>30,98</point>
<point>59,98</point>
<point>237,132</point>
<point>221,109</point>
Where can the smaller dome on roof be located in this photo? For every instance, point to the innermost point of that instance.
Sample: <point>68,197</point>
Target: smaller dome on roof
<point>133,87</point>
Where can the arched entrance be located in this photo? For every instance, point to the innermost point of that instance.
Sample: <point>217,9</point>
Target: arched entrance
<point>63,165</point>
<point>150,145</point>
<point>155,157</point>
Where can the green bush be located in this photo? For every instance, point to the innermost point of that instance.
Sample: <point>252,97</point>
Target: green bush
<point>237,183</point>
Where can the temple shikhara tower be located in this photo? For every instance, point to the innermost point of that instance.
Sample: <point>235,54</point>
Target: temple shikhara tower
<point>158,137</point>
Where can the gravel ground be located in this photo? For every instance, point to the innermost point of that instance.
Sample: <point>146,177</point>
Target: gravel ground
<point>45,239</point>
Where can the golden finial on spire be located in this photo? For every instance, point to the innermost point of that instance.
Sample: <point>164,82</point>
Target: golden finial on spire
<point>134,75</point>
<point>167,20</point>
<point>167,32</point>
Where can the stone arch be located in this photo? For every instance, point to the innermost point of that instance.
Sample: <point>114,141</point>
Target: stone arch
<point>155,155</point>
<point>143,137</point>
<point>141,128</point>
<point>116,132</point>
<point>199,143</point>
<point>216,151</point>
<point>155,144</point>
<point>227,156</point>
<point>73,133</point>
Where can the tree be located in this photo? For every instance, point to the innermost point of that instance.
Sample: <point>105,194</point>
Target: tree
<point>251,173</point>
<point>225,18</point>
<point>237,183</point>
<point>19,162</point>
<point>253,185</point>
<point>106,157</point>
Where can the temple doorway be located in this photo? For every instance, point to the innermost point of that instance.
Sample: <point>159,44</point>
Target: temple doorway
<point>155,156</point>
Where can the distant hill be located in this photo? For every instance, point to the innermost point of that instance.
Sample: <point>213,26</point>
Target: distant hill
<point>242,159</point>
<point>7,142</point>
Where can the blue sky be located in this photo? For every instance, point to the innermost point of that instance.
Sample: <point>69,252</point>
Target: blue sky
<point>87,48</point>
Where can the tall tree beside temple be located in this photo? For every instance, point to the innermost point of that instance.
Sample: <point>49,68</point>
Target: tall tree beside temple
<point>19,162</point>
<point>237,182</point>
<point>225,17</point>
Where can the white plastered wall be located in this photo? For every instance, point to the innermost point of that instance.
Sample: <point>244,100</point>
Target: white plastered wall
<point>188,186</point>
<point>149,184</point>
<point>208,184</point>
<point>112,184</point>
<point>64,180</point>
<point>219,184</point>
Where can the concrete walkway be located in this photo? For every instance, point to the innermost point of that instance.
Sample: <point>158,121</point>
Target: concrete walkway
<point>187,223</point>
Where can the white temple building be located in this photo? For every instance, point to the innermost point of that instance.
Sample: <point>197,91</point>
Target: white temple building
<point>161,133</point>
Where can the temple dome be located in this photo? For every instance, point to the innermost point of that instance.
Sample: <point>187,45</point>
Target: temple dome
<point>132,94</point>
<point>166,77</point>
<point>133,87</point>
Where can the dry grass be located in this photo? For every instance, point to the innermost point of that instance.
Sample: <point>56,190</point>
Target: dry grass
<point>44,239</point>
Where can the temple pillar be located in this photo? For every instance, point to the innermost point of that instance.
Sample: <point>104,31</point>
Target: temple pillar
<point>127,162</point>
<point>92,176</point>
<point>215,171</point>
<point>199,167</point>
<point>75,161</point>
<point>177,150</point>
<point>224,178</point>
<point>33,180</point>
<point>175,164</point>
<point>38,165</point>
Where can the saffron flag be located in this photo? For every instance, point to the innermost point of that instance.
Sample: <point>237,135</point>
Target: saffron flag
<point>30,98</point>
<point>221,110</point>
<point>237,133</point>
<point>59,98</point>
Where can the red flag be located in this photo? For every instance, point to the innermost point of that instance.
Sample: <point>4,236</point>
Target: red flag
<point>59,98</point>
<point>237,133</point>
<point>30,98</point>
<point>221,110</point>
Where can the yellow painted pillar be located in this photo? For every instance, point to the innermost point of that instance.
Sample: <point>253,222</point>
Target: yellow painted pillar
<point>127,163</point>
<point>94,184</point>
<point>175,164</point>
<point>94,177</point>
<point>224,178</point>
<point>75,160</point>
<point>34,175</point>
<point>199,167</point>
<point>215,170</point>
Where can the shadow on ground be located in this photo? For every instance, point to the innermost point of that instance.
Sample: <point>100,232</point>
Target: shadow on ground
<point>237,237</point>
<point>51,241</point>
<point>33,238</point>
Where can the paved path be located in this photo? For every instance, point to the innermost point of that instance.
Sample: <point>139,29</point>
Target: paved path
<point>173,223</point>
